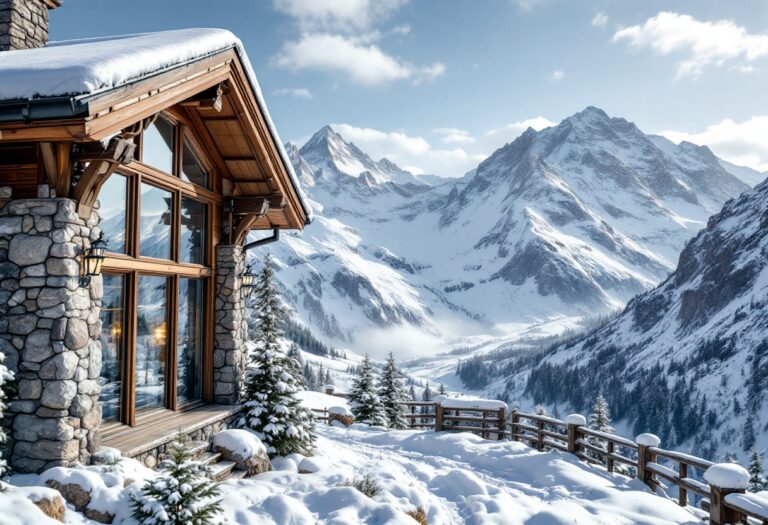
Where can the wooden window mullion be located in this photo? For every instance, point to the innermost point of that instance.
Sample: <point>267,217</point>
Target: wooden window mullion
<point>172,341</point>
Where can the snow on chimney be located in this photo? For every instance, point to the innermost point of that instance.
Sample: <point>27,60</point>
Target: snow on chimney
<point>24,23</point>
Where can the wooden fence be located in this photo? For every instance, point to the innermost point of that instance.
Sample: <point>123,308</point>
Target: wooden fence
<point>608,450</point>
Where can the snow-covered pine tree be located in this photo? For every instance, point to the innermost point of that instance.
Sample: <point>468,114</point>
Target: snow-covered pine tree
<point>5,376</point>
<point>600,419</point>
<point>272,409</point>
<point>295,353</point>
<point>393,393</point>
<point>364,400</point>
<point>328,380</point>
<point>412,393</point>
<point>181,495</point>
<point>757,480</point>
<point>442,390</point>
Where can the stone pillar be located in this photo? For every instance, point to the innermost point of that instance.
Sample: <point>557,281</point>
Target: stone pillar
<point>231,329</point>
<point>23,23</point>
<point>49,332</point>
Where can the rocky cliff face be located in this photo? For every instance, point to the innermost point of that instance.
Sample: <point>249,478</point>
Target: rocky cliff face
<point>569,221</point>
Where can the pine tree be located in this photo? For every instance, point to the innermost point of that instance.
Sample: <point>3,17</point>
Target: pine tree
<point>181,495</point>
<point>412,393</point>
<point>748,433</point>
<point>328,379</point>
<point>442,390</point>
<point>757,481</point>
<point>272,409</point>
<point>364,400</point>
<point>393,393</point>
<point>5,376</point>
<point>600,419</point>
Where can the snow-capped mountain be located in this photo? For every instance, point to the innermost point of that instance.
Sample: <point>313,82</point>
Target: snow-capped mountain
<point>572,220</point>
<point>689,359</point>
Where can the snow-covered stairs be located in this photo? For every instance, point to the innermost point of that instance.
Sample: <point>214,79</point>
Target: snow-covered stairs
<point>218,469</point>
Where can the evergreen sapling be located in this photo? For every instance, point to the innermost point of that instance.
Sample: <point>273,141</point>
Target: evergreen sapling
<point>272,409</point>
<point>393,394</point>
<point>364,400</point>
<point>757,480</point>
<point>181,495</point>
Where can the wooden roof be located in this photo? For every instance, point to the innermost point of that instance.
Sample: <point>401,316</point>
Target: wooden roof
<point>238,136</point>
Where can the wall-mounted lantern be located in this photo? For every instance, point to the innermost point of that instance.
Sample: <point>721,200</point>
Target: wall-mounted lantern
<point>93,258</point>
<point>247,282</point>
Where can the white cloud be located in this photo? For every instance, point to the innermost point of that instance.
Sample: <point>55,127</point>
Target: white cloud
<point>340,37</point>
<point>526,5</point>
<point>495,138</point>
<point>406,150</point>
<point>743,143</point>
<point>294,92</point>
<point>558,74</point>
<point>347,16</point>
<point>600,20</point>
<point>364,64</point>
<point>703,43</point>
<point>454,135</point>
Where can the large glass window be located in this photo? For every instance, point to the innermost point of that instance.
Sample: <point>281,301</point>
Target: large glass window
<point>190,340</point>
<point>193,231</point>
<point>112,318</point>
<point>112,202</point>
<point>192,170</point>
<point>157,145</point>
<point>151,341</point>
<point>155,222</point>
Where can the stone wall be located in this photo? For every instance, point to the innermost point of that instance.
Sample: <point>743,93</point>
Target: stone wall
<point>231,329</point>
<point>49,332</point>
<point>23,24</point>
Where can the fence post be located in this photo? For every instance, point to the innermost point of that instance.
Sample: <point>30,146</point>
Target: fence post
<point>502,424</point>
<point>724,479</point>
<point>644,456</point>
<point>539,435</point>
<point>515,421</point>
<point>682,494</point>
<point>438,417</point>
<point>574,421</point>
<point>609,448</point>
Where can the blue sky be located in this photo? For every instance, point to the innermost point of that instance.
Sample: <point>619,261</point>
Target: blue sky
<point>436,85</point>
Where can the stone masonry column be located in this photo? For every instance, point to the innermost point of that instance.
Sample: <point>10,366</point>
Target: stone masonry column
<point>49,332</point>
<point>231,329</point>
<point>23,24</point>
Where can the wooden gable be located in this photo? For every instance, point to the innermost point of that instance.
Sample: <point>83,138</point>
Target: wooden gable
<point>214,98</point>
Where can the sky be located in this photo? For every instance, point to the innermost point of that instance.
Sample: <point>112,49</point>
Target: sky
<point>438,85</point>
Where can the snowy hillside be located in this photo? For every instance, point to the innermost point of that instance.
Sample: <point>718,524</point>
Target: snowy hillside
<point>453,478</point>
<point>688,360</point>
<point>569,221</point>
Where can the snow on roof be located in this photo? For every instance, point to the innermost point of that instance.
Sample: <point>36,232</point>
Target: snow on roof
<point>88,67</point>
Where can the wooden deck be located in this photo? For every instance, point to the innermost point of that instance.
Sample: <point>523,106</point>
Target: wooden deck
<point>160,426</point>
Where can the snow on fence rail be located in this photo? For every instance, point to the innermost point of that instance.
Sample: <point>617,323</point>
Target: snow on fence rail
<point>724,493</point>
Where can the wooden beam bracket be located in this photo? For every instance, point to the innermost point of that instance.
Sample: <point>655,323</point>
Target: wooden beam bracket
<point>210,98</point>
<point>248,210</point>
<point>102,161</point>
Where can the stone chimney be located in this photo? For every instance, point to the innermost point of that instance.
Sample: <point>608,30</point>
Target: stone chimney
<point>24,23</point>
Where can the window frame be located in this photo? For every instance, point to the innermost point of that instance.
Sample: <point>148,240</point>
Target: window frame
<point>132,265</point>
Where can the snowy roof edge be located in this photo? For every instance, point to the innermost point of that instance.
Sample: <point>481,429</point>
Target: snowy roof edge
<point>273,130</point>
<point>62,106</point>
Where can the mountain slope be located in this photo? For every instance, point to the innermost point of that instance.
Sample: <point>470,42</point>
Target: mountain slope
<point>569,221</point>
<point>688,359</point>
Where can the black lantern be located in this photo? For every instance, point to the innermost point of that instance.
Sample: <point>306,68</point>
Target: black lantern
<point>93,258</point>
<point>247,281</point>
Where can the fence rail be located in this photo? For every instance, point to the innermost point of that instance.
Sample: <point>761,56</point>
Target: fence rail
<point>643,457</point>
<point>601,448</point>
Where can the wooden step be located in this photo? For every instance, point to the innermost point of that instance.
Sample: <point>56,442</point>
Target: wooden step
<point>221,470</point>
<point>197,448</point>
<point>238,474</point>
<point>209,458</point>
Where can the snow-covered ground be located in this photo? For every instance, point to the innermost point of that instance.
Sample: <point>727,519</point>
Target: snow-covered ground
<point>454,477</point>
